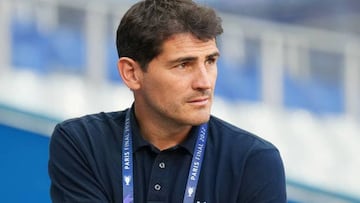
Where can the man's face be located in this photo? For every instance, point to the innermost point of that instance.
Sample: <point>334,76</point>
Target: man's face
<point>178,85</point>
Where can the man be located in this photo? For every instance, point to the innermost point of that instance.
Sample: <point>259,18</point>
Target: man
<point>166,147</point>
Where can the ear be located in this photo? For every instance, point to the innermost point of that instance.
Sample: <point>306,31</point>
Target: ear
<point>130,71</point>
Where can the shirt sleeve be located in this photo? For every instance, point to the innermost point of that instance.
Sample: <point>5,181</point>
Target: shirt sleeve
<point>264,178</point>
<point>72,179</point>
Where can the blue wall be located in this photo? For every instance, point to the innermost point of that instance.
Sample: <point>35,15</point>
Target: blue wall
<point>23,166</point>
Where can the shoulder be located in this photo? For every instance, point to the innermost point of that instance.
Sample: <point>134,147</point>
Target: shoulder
<point>91,119</point>
<point>241,148</point>
<point>90,126</point>
<point>257,172</point>
<point>232,136</point>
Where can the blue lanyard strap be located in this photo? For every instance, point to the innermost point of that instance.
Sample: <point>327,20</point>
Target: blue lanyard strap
<point>127,163</point>
<point>195,167</point>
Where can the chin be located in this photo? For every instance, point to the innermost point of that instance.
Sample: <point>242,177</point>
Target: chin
<point>200,120</point>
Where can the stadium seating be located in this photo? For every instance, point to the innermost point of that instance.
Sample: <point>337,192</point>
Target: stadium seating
<point>312,95</point>
<point>63,50</point>
<point>29,47</point>
<point>238,83</point>
<point>67,48</point>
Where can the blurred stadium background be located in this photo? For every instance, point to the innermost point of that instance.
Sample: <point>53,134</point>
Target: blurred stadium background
<point>289,72</point>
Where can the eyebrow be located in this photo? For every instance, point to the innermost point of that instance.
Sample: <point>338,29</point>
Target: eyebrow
<point>192,58</point>
<point>215,54</point>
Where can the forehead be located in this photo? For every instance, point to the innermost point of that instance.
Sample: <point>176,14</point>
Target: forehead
<point>185,43</point>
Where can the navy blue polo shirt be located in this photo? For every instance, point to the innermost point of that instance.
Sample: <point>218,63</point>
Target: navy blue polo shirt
<point>85,164</point>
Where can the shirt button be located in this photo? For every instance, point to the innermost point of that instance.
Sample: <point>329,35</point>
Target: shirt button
<point>162,165</point>
<point>157,187</point>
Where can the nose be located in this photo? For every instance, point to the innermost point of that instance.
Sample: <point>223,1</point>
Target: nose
<point>203,78</point>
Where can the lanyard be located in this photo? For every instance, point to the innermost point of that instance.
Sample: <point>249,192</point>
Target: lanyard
<point>127,163</point>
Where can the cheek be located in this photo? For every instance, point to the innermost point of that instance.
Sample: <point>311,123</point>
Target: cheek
<point>157,88</point>
<point>213,76</point>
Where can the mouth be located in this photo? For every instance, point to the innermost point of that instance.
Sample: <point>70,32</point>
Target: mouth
<point>201,101</point>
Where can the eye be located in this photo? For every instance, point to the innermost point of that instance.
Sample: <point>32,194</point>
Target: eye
<point>182,65</point>
<point>211,61</point>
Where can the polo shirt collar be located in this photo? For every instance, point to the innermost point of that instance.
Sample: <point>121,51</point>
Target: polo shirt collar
<point>139,142</point>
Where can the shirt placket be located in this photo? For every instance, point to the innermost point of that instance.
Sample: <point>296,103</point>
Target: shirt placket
<point>159,180</point>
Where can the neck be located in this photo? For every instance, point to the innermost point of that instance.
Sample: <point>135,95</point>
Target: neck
<point>161,133</point>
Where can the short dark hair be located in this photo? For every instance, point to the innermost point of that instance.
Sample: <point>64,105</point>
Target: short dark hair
<point>147,24</point>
